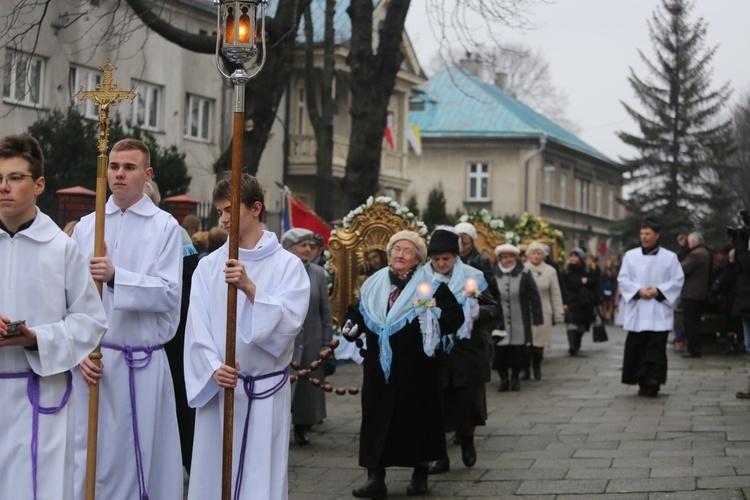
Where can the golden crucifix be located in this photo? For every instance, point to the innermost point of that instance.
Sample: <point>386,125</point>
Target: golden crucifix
<point>105,96</point>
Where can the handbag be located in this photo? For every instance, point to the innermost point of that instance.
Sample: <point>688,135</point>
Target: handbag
<point>599,332</point>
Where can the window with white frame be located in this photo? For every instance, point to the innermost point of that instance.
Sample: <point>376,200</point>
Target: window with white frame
<point>583,195</point>
<point>88,78</point>
<point>199,115</point>
<point>478,186</point>
<point>147,106</point>
<point>611,204</point>
<point>23,79</point>
<point>598,195</point>
<point>547,185</point>
<point>563,190</point>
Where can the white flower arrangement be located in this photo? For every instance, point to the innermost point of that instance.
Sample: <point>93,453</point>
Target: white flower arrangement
<point>411,221</point>
<point>486,217</point>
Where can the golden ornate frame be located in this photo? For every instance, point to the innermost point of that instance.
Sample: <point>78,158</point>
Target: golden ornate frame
<point>368,231</point>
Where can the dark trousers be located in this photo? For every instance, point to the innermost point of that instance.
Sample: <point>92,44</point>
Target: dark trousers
<point>645,360</point>
<point>692,310</point>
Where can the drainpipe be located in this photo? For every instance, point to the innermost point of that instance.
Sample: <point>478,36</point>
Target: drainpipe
<point>542,145</point>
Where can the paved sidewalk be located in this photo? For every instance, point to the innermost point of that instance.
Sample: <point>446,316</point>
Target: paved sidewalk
<point>577,433</point>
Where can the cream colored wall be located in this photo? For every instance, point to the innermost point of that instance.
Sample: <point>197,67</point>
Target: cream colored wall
<point>446,162</point>
<point>143,56</point>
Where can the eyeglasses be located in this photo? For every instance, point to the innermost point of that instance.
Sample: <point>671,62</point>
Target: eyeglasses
<point>402,251</point>
<point>15,178</point>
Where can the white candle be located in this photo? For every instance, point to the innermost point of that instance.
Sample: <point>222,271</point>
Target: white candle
<point>424,290</point>
<point>471,284</point>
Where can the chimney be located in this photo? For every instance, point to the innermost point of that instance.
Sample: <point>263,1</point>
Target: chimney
<point>501,79</point>
<point>472,65</point>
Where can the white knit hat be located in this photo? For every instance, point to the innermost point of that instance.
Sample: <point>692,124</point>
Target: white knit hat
<point>467,228</point>
<point>535,245</point>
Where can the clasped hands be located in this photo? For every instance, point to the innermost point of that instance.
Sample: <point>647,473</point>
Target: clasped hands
<point>648,292</point>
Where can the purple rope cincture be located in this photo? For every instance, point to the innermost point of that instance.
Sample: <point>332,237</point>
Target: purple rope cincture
<point>134,363</point>
<point>249,386</point>
<point>32,390</point>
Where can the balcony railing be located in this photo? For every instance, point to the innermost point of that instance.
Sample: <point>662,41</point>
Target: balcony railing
<point>302,157</point>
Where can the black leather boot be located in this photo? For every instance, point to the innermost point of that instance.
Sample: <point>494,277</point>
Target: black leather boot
<point>374,487</point>
<point>515,384</point>
<point>468,452</point>
<point>537,361</point>
<point>579,338</point>
<point>418,484</point>
<point>504,384</point>
<point>300,435</point>
<point>572,341</point>
<point>440,466</point>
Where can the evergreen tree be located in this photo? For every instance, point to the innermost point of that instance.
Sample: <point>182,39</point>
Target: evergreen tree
<point>683,148</point>
<point>412,204</point>
<point>435,212</point>
<point>69,144</point>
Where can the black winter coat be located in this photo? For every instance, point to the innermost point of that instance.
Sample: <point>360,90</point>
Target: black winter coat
<point>401,419</point>
<point>582,298</point>
<point>470,360</point>
<point>742,292</point>
<point>479,261</point>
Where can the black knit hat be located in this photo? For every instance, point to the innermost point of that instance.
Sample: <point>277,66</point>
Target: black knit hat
<point>443,241</point>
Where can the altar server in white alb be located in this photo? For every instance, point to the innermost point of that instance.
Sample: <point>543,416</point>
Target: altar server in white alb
<point>650,281</point>
<point>272,302</point>
<point>45,282</point>
<point>138,442</point>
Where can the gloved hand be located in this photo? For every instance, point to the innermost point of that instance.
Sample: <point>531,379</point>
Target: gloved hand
<point>349,331</point>
<point>474,309</point>
<point>498,336</point>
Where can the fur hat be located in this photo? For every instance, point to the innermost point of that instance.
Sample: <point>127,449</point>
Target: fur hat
<point>294,236</point>
<point>467,228</point>
<point>535,245</point>
<point>443,240</point>
<point>506,248</point>
<point>412,237</point>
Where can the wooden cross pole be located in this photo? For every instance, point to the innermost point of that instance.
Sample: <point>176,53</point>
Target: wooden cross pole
<point>105,96</point>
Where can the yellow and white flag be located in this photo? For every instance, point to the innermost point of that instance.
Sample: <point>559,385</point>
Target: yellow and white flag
<point>415,139</point>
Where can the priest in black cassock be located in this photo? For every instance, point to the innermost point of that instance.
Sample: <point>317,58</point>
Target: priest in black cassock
<point>650,281</point>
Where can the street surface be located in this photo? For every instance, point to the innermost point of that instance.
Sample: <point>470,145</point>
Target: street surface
<point>578,433</point>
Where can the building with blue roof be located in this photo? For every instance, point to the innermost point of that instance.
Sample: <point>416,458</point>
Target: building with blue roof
<point>489,150</point>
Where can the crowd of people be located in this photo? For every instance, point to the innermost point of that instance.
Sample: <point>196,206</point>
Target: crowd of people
<point>437,318</point>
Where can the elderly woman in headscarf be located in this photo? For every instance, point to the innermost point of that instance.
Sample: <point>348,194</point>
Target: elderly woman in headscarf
<point>466,365</point>
<point>546,281</point>
<point>522,307</point>
<point>401,391</point>
<point>308,401</point>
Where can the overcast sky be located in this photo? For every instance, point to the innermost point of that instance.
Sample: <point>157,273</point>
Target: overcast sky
<point>591,44</point>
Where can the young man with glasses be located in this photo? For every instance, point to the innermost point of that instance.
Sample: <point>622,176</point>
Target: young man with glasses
<point>46,284</point>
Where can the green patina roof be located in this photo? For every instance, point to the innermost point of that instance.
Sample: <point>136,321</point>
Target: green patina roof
<point>458,104</point>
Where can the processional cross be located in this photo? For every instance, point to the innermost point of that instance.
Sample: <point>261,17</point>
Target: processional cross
<point>105,96</point>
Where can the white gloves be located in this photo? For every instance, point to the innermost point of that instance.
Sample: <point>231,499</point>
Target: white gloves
<point>474,310</point>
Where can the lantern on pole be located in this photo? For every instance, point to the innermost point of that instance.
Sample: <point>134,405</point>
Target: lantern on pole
<point>237,37</point>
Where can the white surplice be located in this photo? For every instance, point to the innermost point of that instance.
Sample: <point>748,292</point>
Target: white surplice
<point>266,330</point>
<point>143,308</point>
<point>663,271</point>
<point>45,281</point>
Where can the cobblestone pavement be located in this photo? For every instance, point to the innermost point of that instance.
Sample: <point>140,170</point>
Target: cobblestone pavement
<point>577,433</point>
